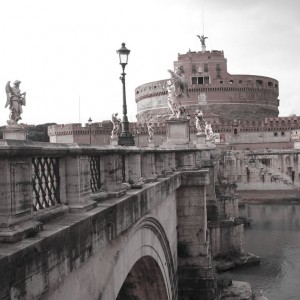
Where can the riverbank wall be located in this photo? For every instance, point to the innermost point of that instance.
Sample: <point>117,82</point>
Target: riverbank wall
<point>263,170</point>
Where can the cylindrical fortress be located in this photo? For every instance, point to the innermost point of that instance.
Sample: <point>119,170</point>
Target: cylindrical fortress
<point>211,89</point>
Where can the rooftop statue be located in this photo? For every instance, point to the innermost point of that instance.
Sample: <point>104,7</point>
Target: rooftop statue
<point>200,123</point>
<point>202,39</point>
<point>15,101</point>
<point>116,125</point>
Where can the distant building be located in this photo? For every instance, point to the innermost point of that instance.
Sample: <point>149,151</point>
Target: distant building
<point>211,87</point>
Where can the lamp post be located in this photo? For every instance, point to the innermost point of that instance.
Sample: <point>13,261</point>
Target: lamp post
<point>125,138</point>
<point>138,137</point>
<point>188,116</point>
<point>90,130</point>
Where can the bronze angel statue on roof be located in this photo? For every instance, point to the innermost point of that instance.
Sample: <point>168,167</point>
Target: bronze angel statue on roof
<point>15,101</point>
<point>202,39</point>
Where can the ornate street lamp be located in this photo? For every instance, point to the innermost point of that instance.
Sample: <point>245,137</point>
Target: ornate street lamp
<point>90,131</point>
<point>188,116</point>
<point>125,138</point>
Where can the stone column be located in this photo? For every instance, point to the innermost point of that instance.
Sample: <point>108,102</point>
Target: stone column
<point>148,167</point>
<point>78,187</point>
<point>16,212</point>
<point>195,270</point>
<point>114,174</point>
<point>134,170</point>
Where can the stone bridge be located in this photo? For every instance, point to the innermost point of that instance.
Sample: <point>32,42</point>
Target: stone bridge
<point>109,222</point>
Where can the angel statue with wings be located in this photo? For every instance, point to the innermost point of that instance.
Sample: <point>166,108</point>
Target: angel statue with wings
<point>200,123</point>
<point>116,125</point>
<point>202,39</point>
<point>150,132</point>
<point>15,101</point>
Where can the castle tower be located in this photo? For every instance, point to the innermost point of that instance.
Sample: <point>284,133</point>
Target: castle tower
<point>211,89</point>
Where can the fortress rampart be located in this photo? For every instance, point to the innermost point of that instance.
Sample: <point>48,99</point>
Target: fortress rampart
<point>254,134</point>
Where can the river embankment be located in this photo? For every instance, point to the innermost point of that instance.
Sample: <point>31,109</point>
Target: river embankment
<point>269,197</point>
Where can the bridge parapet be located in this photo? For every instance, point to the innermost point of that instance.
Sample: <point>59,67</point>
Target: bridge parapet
<point>106,204</point>
<point>39,181</point>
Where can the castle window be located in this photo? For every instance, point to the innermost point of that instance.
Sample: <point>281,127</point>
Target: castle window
<point>259,82</point>
<point>231,81</point>
<point>200,80</point>
<point>276,85</point>
<point>275,134</point>
<point>205,67</point>
<point>282,133</point>
<point>194,69</point>
<point>270,83</point>
<point>240,81</point>
<point>235,131</point>
<point>221,81</point>
<point>218,67</point>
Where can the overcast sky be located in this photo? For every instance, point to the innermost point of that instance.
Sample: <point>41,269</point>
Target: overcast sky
<point>65,50</point>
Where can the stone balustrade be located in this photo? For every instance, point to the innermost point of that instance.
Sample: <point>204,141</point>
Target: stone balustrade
<point>40,181</point>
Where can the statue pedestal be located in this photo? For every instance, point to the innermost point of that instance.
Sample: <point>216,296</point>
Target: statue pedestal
<point>151,144</point>
<point>15,133</point>
<point>177,133</point>
<point>114,141</point>
<point>200,139</point>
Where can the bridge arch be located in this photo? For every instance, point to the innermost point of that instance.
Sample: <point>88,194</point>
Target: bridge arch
<point>146,248</point>
<point>144,282</point>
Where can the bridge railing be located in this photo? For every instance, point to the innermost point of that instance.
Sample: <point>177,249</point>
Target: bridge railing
<point>45,182</point>
<point>40,181</point>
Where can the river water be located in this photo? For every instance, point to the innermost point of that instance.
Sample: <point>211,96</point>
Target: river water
<point>275,236</point>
